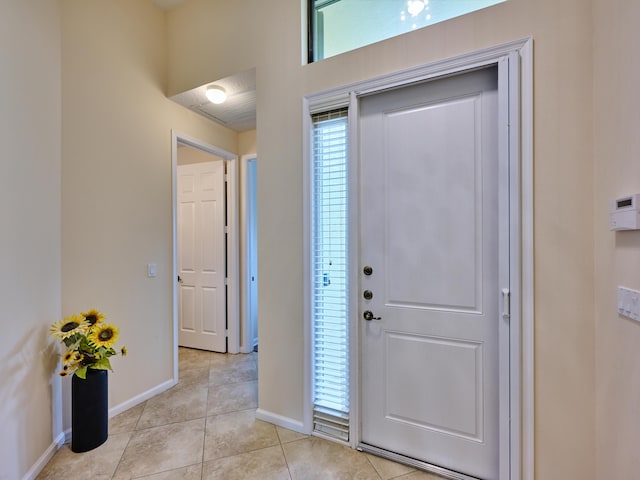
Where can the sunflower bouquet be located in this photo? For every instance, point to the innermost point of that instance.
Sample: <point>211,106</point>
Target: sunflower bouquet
<point>89,343</point>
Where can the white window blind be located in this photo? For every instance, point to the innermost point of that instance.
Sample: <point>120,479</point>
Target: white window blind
<point>329,275</point>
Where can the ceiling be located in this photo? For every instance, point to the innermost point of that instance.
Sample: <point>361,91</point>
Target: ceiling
<point>237,113</point>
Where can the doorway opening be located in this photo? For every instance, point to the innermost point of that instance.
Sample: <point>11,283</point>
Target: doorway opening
<point>231,253</point>
<point>249,253</point>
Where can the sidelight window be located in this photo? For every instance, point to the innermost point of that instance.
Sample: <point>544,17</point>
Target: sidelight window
<point>329,283</point>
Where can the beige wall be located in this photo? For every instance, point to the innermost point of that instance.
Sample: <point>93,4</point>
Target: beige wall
<point>188,155</point>
<point>116,166</point>
<point>617,170</point>
<point>30,238</point>
<point>247,143</point>
<point>563,184</point>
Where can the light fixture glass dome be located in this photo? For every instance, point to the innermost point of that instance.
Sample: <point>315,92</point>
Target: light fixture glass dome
<point>414,7</point>
<point>216,94</point>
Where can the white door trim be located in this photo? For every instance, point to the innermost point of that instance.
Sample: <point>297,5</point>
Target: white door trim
<point>517,454</point>
<point>246,342</point>
<point>233,318</point>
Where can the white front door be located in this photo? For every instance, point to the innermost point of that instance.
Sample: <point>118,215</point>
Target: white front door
<point>202,256</point>
<point>429,233</point>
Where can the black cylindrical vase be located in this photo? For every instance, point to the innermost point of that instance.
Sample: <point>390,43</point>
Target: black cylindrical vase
<point>89,410</point>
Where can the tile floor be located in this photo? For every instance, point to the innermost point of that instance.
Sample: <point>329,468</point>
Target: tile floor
<point>205,428</point>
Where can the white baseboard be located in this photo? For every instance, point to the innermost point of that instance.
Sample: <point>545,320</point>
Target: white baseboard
<point>65,436</point>
<point>281,421</point>
<point>48,454</point>
<point>138,399</point>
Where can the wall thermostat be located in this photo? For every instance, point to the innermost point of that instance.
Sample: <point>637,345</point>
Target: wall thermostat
<point>625,213</point>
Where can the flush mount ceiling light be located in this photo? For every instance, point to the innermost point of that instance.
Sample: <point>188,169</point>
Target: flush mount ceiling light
<point>216,94</point>
<point>414,7</point>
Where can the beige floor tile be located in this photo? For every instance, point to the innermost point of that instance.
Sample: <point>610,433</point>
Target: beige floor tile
<point>193,472</point>
<point>232,442</point>
<point>237,372</point>
<point>194,376</point>
<point>190,358</point>
<point>232,398</point>
<point>126,421</point>
<point>236,433</point>
<point>164,448</point>
<point>388,469</point>
<point>180,403</point>
<point>225,359</point>
<point>96,464</point>
<point>287,435</point>
<point>316,459</point>
<point>265,464</point>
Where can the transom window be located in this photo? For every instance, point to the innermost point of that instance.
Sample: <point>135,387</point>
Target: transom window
<point>337,26</point>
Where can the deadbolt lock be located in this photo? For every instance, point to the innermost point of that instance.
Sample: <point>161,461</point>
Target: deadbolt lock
<point>367,270</point>
<point>367,294</point>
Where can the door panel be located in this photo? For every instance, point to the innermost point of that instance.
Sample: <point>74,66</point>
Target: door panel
<point>202,256</point>
<point>429,229</point>
<point>421,209</point>
<point>414,403</point>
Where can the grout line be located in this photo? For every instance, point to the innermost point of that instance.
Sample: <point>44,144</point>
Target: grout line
<point>115,470</point>
<point>135,427</point>
<point>286,462</point>
<point>372,465</point>
<point>206,420</point>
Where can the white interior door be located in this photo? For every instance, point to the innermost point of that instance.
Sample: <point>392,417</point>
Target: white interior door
<point>202,256</point>
<point>429,231</point>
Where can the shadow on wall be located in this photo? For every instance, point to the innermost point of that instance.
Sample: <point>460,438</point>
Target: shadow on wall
<point>33,355</point>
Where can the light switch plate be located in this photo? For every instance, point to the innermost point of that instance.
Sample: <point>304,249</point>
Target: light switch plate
<point>152,270</point>
<point>629,303</point>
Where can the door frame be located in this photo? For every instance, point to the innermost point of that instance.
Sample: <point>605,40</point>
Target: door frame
<point>248,335</point>
<point>233,317</point>
<point>515,90</point>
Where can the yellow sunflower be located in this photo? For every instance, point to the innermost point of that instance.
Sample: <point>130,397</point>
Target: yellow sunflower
<point>103,335</point>
<point>123,351</point>
<point>64,373</point>
<point>93,317</point>
<point>69,326</point>
<point>71,357</point>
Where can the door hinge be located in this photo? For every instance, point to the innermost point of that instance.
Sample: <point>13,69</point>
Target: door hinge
<point>226,229</point>
<point>226,177</point>
<point>226,332</point>
<point>226,280</point>
<point>506,304</point>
